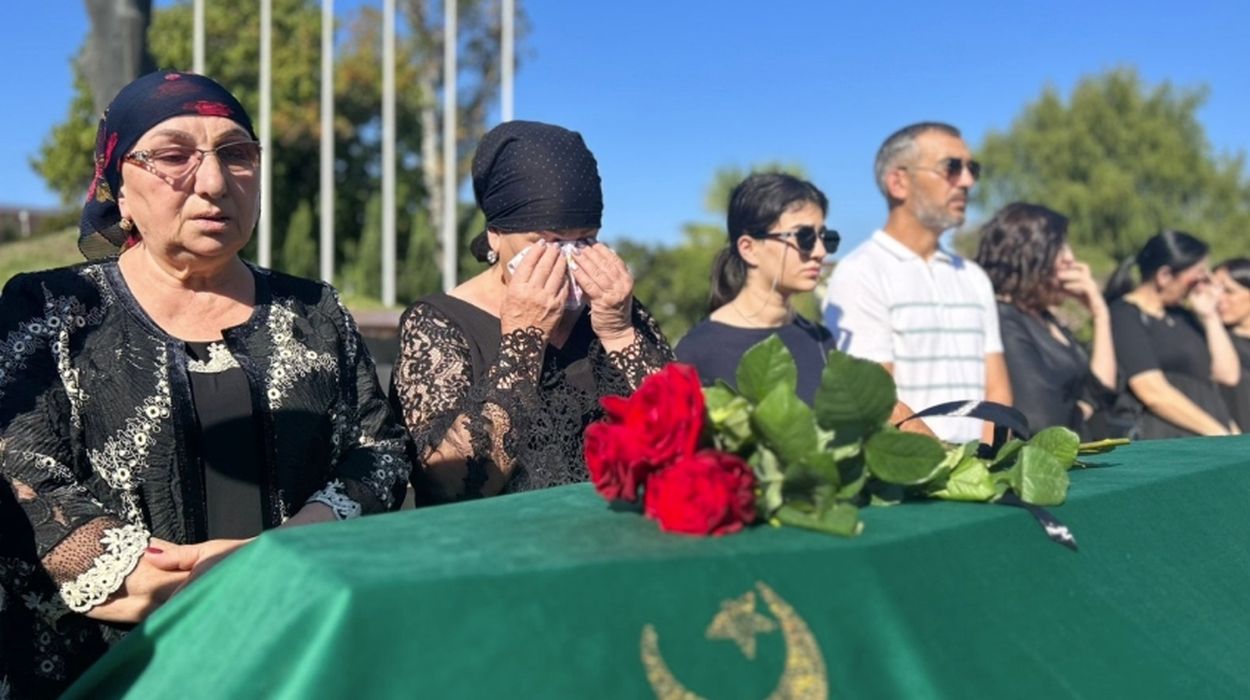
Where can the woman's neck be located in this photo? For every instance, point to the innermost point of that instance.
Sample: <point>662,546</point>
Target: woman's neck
<point>142,264</point>
<point>1242,329</point>
<point>1147,299</point>
<point>757,307</point>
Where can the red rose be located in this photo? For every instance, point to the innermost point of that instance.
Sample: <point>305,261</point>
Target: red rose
<point>709,493</point>
<point>664,417</point>
<point>616,467</point>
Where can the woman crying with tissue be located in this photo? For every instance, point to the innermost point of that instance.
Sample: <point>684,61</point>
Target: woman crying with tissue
<point>497,378</point>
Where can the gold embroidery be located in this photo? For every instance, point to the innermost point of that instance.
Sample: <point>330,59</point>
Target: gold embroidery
<point>804,676</point>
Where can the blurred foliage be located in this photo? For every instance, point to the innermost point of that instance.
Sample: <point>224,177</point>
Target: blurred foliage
<point>40,252</point>
<point>1122,160</point>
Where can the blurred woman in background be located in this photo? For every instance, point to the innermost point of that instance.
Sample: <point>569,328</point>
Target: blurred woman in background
<point>1233,278</point>
<point>1054,381</point>
<point>1171,356</point>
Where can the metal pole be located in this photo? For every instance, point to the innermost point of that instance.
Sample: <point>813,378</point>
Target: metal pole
<point>507,51</point>
<point>388,153</point>
<point>450,244</point>
<point>197,56</point>
<point>327,141</point>
<point>265,243</point>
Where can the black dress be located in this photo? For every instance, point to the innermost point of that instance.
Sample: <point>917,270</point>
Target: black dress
<point>1174,344</point>
<point>1049,378</point>
<point>109,437</point>
<point>507,403</point>
<point>1238,397</point>
<point>715,348</point>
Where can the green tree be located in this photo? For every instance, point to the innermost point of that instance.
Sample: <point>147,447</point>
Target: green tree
<point>299,246</point>
<point>419,274</point>
<point>1122,160</point>
<point>674,281</point>
<point>361,278</point>
<point>64,160</point>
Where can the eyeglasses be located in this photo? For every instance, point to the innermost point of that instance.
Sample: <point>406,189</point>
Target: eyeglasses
<point>174,163</point>
<point>805,238</point>
<point>951,168</point>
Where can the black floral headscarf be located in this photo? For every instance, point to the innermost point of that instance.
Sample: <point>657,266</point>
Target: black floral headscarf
<point>137,108</point>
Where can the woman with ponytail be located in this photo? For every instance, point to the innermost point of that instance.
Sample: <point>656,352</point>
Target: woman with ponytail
<point>1233,278</point>
<point>1171,356</point>
<point>777,242</point>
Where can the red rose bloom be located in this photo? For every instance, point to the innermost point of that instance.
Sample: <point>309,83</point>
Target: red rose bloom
<point>709,493</point>
<point>616,467</point>
<point>664,417</point>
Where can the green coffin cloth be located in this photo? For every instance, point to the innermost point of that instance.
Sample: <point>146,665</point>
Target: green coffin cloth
<point>553,595</point>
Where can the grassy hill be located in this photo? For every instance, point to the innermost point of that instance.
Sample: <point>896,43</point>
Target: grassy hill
<point>39,253</point>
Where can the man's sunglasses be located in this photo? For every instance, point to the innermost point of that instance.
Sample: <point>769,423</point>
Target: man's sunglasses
<point>805,238</point>
<point>952,168</point>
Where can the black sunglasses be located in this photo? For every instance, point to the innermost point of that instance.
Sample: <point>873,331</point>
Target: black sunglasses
<point>952,168</point>
<point>805,238</point>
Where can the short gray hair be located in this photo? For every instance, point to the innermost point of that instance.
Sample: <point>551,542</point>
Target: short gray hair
<point>902,144</point>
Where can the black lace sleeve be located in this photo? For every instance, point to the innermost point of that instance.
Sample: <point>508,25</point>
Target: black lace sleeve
<point>85,548</point>
<point>465,434</point>
<point>371,470</point>
<point>619,373</point>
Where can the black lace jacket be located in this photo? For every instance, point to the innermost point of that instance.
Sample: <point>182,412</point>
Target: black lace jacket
<point>98,444</point>
<point>489,414</point>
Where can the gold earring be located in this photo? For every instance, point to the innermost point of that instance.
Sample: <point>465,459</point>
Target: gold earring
<point>126,225</point>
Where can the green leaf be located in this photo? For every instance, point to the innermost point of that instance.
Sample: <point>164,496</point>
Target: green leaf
<point>1061,443</point>
<point>729,417</point>
<point>840,519</point>
<point>769,480</point>
<point>970,481</point>
<point>785,424</point>
<point>903,458</point>
<point>822,466</point>
<point>1006,453</point>
<point>1100,446</point>
<point>767,365</point>
<point>855,397</point>
<point>1039,478</point>
<point>854,475</point>
<point>883,494</point>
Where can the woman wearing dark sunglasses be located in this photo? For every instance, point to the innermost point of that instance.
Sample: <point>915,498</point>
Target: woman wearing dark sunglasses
<point>777,241</point>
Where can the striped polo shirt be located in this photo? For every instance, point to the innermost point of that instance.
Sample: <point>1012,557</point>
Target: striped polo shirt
<point>935,320</point>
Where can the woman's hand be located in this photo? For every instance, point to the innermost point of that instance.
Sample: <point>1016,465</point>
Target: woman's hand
<point>192,560</point>
<point>1078,282</point>
<point>144,590</point>
<point>1204,299</point>
<point>536,292</point>
<point>609,288</point>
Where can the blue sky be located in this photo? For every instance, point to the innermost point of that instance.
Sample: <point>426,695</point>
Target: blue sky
<point>665,92</point>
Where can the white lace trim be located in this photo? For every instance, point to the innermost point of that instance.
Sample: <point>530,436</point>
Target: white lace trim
<point>332,495</point>
<point>4,688</point>
<point>291,359</point>
<point>122,548</point>
<point>219,360</point>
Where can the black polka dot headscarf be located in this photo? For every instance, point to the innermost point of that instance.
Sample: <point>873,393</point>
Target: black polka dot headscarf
<point>530,176</point>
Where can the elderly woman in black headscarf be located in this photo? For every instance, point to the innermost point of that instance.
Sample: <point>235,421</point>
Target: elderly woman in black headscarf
<point>497,379</point>
<point>166,401</point>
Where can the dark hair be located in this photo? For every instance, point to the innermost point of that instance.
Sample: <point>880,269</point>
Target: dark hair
<point>1238,269</point>
<point>902,144</point>
<point>1175,250</point>
<point>1018,249</point>
<point>756,204</point>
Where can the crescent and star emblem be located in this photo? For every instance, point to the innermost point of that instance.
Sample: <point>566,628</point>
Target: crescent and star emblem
<point>804,677</point>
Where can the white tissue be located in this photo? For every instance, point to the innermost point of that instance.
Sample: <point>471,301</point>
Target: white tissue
<point>574,300</point>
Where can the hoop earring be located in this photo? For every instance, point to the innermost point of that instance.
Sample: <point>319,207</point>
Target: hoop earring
<point>126,225</point>
<point>492,257</point>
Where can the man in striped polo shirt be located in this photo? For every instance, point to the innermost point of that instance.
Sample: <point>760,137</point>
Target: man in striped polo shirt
<point>926,314</point>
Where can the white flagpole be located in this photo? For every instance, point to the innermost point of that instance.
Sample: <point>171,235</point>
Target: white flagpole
<point>265,242</point>
<point>197,42</point>
<point>451,246</point>
<point>507,51</point>
<point>388,153</point>
<point>327,141</point>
